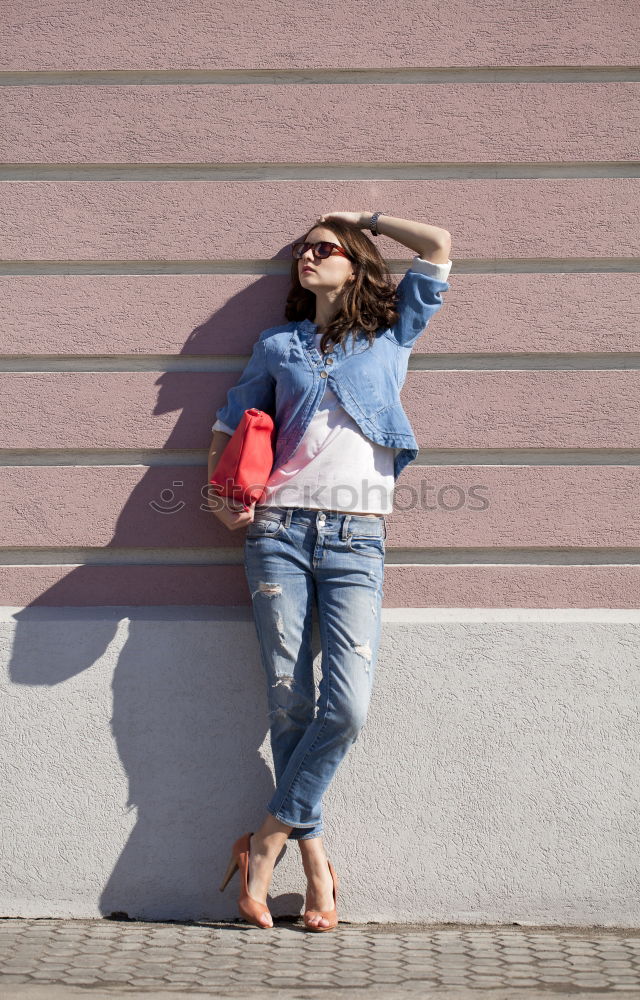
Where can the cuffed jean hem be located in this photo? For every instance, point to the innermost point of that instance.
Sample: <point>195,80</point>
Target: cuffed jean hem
<point>298,831</point>
<point>297,835</point>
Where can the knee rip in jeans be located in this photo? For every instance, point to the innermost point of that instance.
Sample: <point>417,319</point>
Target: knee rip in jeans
<point>285,682</point>
<point>273,590</point>
<point>365,651</point>
<point>268,589</point>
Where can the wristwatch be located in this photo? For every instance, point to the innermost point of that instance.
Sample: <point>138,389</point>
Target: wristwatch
<point>373,225</point>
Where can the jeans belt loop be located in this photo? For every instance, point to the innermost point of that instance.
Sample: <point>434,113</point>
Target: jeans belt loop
<point>344,534</point>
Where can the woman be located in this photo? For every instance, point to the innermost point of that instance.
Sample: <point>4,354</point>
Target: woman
<point>331,378</point>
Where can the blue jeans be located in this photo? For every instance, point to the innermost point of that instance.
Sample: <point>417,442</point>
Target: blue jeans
<point>293,557</point>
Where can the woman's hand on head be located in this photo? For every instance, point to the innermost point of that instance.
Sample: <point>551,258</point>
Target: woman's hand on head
<point>232,514</point>
<point>360,219</point>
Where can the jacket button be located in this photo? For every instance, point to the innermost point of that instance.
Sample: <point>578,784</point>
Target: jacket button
<point>323,374</point>
<point>329,361</point>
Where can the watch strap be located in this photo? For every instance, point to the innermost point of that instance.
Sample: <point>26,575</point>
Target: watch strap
<point>373,225</point>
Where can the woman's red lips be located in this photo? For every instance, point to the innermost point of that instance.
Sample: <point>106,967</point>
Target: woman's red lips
<point>306,269</point>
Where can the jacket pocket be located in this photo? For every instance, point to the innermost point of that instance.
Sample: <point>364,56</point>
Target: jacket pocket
<point>373,387</point>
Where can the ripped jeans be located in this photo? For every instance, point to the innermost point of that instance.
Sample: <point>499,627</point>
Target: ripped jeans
<point>293,557</point>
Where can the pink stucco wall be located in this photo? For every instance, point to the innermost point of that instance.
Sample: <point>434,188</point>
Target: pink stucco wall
<point>157,162</point>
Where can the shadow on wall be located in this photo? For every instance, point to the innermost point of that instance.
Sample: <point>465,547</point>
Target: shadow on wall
<point>189,709</point>
<point>189,716</point>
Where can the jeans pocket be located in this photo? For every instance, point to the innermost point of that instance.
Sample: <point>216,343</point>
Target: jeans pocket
<point>372,546</point>
<point>264,527</point>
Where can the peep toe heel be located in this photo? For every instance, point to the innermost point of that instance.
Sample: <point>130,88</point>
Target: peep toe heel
<point>330,915</point>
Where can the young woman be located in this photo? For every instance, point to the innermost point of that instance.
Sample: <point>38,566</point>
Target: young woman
<point>331,377</point>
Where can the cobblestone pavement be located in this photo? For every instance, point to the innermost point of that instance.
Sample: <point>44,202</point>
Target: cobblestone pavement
<point>67,958</point>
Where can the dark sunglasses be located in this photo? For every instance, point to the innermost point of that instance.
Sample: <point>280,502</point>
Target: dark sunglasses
<point>321,250</point>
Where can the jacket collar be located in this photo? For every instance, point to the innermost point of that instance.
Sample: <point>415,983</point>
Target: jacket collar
<point>307,331</point>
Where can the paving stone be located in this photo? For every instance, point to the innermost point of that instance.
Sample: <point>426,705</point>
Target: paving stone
<point>485,981</point>
<point>612,948</point>
<point>515,975</point>
<point>589,980</point>
<point>82,980</point>
<point>213,975</point>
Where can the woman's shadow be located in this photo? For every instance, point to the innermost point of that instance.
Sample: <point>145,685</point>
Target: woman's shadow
<point>188,698</point>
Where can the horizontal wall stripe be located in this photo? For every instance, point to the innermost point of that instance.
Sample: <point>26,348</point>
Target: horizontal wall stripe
<point>219,36</point>
<point>524,362</point>
<point>113,555</point>
<point>193,220</point>
<point>78,556</point>
<point>466,409</point>
<point>426,456</point>
<point>133,363</point>
<point>283,77</point>
<point>417,362</point>
<point>428,616</point>
<point>485,122</point>
<point>603,616</point>
<point>242,613</point>
<point>314,172</point>
<point>100,456</point>
<point>452,509</point>
<point>469,586</point>
<point>173,268</point>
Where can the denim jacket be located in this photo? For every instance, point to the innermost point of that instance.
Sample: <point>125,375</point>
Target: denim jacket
<point>286,375</point>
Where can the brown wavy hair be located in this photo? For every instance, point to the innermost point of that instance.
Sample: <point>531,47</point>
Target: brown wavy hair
<point>368,303</point>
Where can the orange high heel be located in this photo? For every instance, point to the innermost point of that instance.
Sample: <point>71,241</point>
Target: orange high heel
<point>330,915</point>
<point>250,908</point>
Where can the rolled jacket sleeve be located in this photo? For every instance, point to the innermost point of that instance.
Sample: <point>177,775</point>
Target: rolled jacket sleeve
<point>219,426</point>
<point>255,388</point>
<point>419,298</point>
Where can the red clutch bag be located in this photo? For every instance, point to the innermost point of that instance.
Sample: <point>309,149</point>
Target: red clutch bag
<point>246,462</point>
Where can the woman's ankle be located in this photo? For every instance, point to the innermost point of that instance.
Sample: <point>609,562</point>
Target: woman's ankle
<point>267,847</point>
<point>314,862</point>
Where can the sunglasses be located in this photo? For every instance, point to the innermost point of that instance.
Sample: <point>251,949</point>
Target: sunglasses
<point>321,250</point>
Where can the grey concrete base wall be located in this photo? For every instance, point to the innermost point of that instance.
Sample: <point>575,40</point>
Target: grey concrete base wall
<point>496,779</point>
